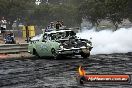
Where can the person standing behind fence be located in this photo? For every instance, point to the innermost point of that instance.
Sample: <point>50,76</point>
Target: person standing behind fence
<point>3,26</point>
<point>52,25</point>
<point>58,25</point>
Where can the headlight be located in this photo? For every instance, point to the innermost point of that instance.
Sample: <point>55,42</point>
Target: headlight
<point>61,47</point>
<point>89,44</point>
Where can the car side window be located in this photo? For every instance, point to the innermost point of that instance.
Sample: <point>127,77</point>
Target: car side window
<point>52,37</point>
<point>44,38</point>
<point>67,33</point>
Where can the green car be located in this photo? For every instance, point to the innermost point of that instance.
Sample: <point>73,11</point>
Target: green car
<point>59,43</point>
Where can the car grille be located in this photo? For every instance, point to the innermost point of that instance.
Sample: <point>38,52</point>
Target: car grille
<point>74,43</point>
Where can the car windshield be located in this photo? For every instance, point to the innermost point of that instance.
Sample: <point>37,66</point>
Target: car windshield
<point>60,35</point>
<point>70,33</point>
<point>56,36</point>
<point>53,36</point>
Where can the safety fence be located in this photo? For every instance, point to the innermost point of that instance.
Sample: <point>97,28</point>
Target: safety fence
<point>13,48</point>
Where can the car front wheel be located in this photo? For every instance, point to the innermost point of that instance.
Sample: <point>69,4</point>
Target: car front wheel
<point>85,55</point>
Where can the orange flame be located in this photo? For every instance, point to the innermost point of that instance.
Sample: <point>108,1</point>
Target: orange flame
<point>82,72</point>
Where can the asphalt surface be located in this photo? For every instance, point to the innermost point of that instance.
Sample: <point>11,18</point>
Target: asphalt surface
<point>48,73</point>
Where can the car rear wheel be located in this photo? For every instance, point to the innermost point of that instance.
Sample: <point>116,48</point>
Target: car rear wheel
<point>54,53</point>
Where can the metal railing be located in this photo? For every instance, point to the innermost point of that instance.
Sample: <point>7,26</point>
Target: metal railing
<point>13,48</point>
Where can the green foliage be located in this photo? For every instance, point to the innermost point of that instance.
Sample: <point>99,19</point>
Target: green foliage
<point>93,11</point>
<point>70,11</point>
<point>30,13</point>
<point>116,10</point>
<point>13,9</point>
<point>96,10</point>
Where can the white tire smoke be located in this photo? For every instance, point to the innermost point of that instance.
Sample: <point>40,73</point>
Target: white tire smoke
<point>107,41</point>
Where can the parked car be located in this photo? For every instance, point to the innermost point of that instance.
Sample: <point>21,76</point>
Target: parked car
<point>59,43</point>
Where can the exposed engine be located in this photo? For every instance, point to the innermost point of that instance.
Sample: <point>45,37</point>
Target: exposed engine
<point>74,42</point>
<point>68,40</point>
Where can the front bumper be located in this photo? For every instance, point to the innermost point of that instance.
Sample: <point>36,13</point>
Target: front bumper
<point>75,51</point>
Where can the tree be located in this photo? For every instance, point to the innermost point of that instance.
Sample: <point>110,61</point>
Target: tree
<point>116,11</point>
<point>97,10</point>
<point>93,11</point>
<point>130,10</point>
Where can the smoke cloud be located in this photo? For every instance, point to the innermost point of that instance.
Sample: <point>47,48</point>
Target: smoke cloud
<point>107,41</point>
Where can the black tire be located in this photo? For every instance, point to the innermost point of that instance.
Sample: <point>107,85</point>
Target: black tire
<point>54,53</point>
<point>35,53</point>
<point>85,55</point>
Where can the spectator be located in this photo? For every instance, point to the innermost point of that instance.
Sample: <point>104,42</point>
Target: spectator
<point>47,28</point>
<point>3,25</point>
<point>51,25</point>
<point>58,25</point>
<point>62,23</point>
<point>9,39</point>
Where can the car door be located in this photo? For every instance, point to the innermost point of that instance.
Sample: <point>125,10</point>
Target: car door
<point>46,47</point>
<point>42,48</point>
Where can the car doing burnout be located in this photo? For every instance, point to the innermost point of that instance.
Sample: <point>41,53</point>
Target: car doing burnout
<point>59,43</point>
